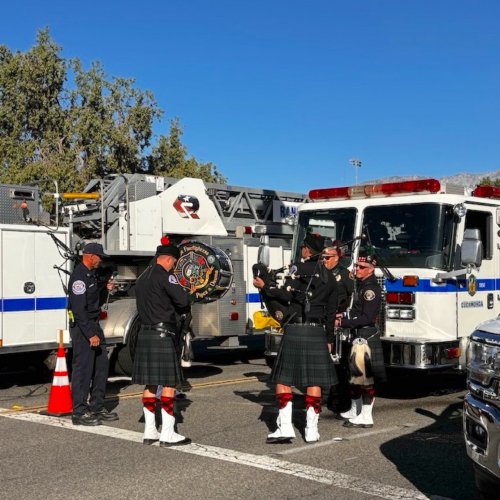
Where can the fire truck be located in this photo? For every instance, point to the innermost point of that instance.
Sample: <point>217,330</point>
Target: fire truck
<point>439,249</point>
<point>218,227</point>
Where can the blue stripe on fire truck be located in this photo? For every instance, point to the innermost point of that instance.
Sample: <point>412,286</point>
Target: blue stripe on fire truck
<point>33,304</point>
<point>450,286</point>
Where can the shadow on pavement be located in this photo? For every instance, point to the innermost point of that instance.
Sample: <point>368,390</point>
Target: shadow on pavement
<point>434,458</point>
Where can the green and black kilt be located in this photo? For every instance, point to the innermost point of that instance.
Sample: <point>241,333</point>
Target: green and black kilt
<point>377,353</point>
<point>303,359</point>
<point>156,360</point>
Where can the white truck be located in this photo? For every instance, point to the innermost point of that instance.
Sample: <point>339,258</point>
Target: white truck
<point>440,245</point>
<point>481,415</point>
<point>219,228</point>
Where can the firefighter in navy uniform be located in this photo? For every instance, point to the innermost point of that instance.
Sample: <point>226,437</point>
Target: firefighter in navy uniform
<point>303,359</point>
<point>366,361</point>
<point>339,396</point>
<point>90,358</point>
<point>159,299</point>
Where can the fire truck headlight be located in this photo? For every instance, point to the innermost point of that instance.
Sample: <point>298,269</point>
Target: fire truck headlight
<point>406,313</point>
<point>392,313</point>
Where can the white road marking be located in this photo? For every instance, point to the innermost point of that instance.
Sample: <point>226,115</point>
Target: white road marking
<point>336,479</point>
<point>339,439</point>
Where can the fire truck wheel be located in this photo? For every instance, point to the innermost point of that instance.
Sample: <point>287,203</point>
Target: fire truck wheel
<point>124,363</point>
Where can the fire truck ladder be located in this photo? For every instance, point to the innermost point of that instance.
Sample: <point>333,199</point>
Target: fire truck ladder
<point>237,206</point>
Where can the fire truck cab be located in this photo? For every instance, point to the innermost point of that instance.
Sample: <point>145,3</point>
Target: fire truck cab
<point>440,245</point>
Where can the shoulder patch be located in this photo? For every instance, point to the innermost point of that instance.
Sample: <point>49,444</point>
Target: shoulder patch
<point>79,287</point>
<point>369,295</point>
<point>172,279</point>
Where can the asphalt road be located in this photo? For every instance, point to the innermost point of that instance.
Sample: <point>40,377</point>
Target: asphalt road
<point>415,449</point>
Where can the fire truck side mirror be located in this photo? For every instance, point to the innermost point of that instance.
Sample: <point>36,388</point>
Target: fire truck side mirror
<point>472,249</point>
<point>263,252</point>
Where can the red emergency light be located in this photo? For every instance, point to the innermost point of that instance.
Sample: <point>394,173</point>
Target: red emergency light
<point>385,189</point>
<point>486,192</point>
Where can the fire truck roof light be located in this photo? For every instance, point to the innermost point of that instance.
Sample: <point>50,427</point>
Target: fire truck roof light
<point>486,192</point>
<point>385,189</point>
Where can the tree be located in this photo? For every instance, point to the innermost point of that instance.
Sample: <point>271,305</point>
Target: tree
<point>487,181</point>
<point>59,122</point>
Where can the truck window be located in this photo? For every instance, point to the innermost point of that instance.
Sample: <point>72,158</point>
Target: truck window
<point>475,219</point>
<point>411,235</point>
<point>335,224</point>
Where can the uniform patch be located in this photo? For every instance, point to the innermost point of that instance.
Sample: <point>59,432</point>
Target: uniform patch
<point>173,279</point>
<point>79,287</point>
<point>369,295</point>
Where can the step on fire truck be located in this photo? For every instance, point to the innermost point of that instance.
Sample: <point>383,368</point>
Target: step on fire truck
<point>218,227</point>
<point>440,247</point>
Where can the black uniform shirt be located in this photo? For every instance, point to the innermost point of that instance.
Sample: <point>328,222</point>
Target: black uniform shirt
<point>159,297</point>
<point>366,305</point>
<point>345,283</point>
<point>84,300</point>
<point>317,286</point>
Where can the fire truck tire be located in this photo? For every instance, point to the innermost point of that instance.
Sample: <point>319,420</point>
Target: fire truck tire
<point>124,362</point>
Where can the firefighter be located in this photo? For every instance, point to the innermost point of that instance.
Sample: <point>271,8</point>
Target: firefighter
<point>366,359</point>
<point>90,358</point>
<point>159,298</point>
<point>312,295</point>
<point>339,397</point>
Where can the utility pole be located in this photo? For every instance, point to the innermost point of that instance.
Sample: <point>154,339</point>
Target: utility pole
<point>356,164</point>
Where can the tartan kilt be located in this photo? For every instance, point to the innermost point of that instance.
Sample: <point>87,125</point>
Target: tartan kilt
<point>156,360</point>
<point>377,353</point>
<point>303,359</point>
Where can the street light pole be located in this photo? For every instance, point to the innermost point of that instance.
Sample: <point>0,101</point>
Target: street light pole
<point>356,164</point>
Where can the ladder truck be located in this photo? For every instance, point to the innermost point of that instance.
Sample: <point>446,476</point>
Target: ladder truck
<point>218,227</point>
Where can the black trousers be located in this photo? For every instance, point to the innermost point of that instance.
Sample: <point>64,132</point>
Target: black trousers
<point>89,373</point>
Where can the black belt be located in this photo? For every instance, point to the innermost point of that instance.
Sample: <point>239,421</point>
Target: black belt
<point>161,327</point>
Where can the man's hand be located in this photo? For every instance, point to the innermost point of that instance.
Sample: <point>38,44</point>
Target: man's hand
<point>338,319</point>
<point>110,285</point>
<point>94,341</point>
<point>258,283</point>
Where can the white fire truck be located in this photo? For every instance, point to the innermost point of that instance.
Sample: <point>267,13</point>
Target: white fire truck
<point>440,247</point>
<point>219,228</point>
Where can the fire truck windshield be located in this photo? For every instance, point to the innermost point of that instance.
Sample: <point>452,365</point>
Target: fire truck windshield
<point>408,235</point>
<point>411,235</point>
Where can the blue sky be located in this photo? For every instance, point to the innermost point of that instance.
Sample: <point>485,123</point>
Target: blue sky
<point>282,93</point>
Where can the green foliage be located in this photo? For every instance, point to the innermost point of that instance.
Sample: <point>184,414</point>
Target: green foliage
<point>169,159</point>
<point>487,181</point>
<point>59,122</point>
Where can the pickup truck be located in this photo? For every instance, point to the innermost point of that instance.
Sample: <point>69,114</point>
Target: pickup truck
<point>481,416</point>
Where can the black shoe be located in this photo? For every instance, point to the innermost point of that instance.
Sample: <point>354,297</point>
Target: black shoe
<point>165,444</point>
<point>279,440</point>
<point>104,414</point>
<point>85,419</point>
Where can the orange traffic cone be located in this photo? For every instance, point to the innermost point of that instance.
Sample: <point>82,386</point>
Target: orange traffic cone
<point>60,394</point>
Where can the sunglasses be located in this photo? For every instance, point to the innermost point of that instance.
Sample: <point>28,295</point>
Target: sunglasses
<point>360,266</point>
<point>326,257</point>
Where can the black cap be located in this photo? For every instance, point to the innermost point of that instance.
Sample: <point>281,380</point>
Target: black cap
<point>94,249</point>
<point>169,249</point>
<point>367,255</point>
<point>314,242</point>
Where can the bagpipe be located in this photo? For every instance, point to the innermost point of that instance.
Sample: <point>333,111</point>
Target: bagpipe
<point>186,335</point>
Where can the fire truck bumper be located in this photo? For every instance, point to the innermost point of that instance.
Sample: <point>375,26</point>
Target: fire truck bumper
<point>420,354</point>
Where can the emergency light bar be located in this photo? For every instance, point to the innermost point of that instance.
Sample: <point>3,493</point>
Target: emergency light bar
<point>486,192</point>
<point>369,190</point>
